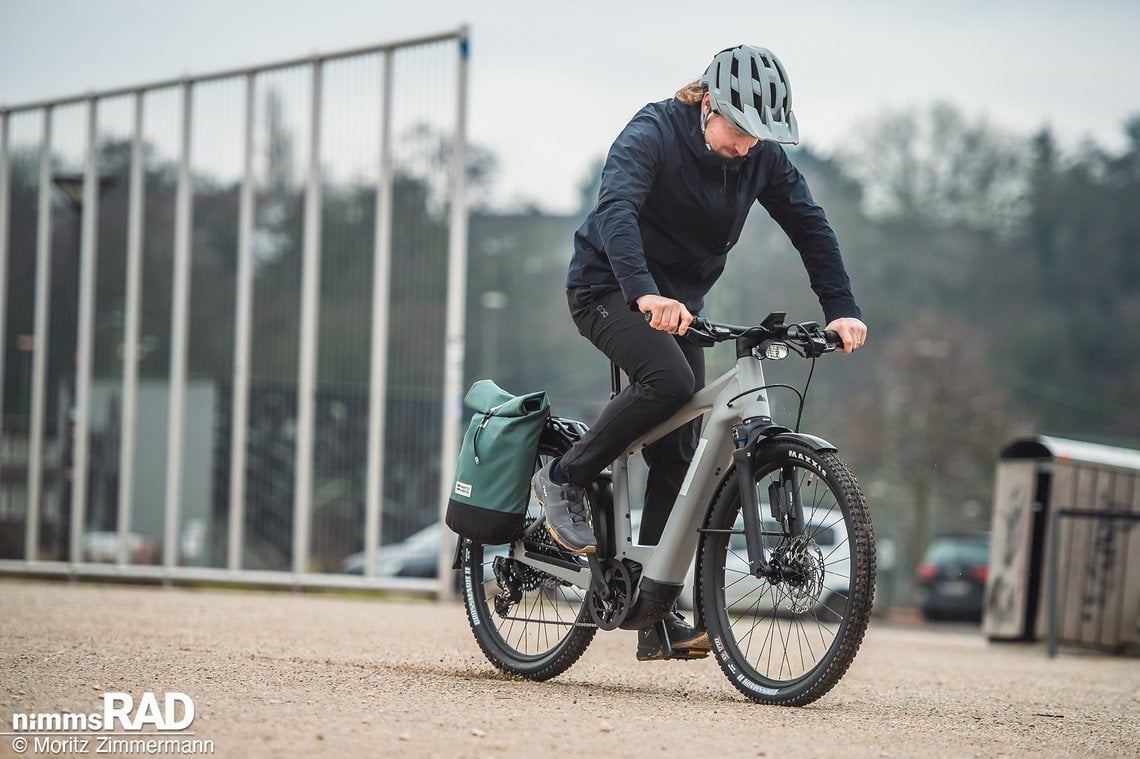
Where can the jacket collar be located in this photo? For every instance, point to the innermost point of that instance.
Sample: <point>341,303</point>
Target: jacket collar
<point>687,121</point>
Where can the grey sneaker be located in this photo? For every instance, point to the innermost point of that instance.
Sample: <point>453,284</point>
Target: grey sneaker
<point>686,641</point>
<point>567,514</point>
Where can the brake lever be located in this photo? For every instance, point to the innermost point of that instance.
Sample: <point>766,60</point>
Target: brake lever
<point>700,332</point>
<point>814,340</point>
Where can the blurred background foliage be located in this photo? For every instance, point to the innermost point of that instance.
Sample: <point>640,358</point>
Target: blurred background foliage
<point>998,273</point>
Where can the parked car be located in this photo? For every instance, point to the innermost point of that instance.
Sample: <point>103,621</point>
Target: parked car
<point>103,547</point>
<point>952,577</point>
<point>415,556</point>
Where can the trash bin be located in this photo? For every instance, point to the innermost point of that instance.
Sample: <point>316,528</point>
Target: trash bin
<point>1065,545</point>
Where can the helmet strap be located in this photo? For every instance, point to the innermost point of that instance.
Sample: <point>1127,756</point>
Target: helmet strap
<point>704,123</point>
<point>706,114</point>
<point>706,111</point>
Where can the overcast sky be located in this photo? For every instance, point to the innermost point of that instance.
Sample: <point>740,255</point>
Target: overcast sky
<point>553,83</point>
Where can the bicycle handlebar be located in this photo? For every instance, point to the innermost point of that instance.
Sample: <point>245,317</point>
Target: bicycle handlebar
<point>807,337</point>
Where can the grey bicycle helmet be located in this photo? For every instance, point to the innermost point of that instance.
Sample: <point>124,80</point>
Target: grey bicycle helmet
<point>749,87</point>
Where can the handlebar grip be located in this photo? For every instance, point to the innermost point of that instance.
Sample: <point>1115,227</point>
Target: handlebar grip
<point>833,338</point>
<point>699,322</point>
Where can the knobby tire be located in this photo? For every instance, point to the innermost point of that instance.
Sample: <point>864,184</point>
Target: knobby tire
<point>789,642</point>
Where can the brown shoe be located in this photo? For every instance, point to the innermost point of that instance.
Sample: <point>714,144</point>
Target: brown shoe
<point>686,641</point>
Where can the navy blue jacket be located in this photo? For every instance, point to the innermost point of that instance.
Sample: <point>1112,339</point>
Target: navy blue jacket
<point>669,210</point>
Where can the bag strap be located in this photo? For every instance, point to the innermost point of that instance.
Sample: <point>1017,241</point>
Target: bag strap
<point>475,441</point>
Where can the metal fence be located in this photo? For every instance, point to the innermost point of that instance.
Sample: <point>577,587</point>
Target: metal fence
<point>232,318</point>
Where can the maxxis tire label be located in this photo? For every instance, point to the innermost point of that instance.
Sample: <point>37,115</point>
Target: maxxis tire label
<point>808,460</point>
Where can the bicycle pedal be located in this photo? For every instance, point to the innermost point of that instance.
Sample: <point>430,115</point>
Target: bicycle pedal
<point>690,653</point>
<point>679,654</point>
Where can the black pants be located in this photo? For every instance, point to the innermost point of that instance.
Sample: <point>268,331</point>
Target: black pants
<point>664,371</point>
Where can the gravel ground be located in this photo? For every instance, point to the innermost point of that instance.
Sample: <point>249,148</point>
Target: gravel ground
<point>286,674</point>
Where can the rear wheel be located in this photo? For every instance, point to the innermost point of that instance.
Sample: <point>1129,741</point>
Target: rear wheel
<point>528,623</point>
<point>789,638</point>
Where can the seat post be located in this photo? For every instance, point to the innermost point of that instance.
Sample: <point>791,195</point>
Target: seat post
<point>615,380</point>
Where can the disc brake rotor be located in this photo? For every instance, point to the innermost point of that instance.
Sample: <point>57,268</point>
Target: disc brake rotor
<point>806,559</point>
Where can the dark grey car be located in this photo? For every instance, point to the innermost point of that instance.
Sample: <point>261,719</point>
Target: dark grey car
<point>952,577</point>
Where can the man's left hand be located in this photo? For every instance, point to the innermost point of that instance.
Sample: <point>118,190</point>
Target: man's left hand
<point>852,331</point>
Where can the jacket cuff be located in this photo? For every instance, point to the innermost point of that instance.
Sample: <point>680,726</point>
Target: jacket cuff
<point>636,287</point>
<point>841,309</point>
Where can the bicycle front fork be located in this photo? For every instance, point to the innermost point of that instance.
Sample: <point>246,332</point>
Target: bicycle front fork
<point>784,500</point>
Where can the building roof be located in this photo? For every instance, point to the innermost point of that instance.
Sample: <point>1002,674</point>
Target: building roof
<point>1072,451</point>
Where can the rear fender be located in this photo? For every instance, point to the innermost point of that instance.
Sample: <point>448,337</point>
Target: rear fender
<point>560,433</point>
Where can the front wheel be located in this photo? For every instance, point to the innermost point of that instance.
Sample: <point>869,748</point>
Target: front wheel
<point>788,638</point>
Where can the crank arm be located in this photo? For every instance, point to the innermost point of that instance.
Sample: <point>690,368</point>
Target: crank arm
<point>568,571</point>
<point>600,585</point>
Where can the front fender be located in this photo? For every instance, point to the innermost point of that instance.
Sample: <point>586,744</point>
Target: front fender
<point>780,434</point>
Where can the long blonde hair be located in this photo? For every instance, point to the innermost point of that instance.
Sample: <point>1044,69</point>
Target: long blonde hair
<point>691,93</point>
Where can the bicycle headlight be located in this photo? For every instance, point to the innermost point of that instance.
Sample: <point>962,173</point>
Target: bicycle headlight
<point>776,351</point>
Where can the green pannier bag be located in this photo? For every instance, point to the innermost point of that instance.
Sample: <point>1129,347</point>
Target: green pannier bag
<point>496,462</point>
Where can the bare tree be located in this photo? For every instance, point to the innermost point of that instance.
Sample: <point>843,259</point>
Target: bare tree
<point>938,167</point>
<point>932,433</point>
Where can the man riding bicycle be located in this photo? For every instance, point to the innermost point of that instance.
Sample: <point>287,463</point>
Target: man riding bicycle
<point>676,188</point>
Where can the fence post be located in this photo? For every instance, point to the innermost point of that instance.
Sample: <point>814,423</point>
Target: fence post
<point>39,346</point>
<point>310,306</point>
<point>456,305</point>
<point>84,329</point>
<point>128,412</point>
<point>243,309</point>
<point>381,305</point>
<point>5,201</point>
<point>179,318</point>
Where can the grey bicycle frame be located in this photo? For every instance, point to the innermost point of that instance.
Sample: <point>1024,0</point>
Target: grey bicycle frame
<point>727,400</point>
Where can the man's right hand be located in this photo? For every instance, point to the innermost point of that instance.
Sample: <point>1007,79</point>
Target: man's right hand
<point>665,314</point>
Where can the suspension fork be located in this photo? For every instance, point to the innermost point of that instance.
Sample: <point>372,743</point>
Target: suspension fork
<point>758,565</point>
<point>784,495</point>
<point>785,504</point>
